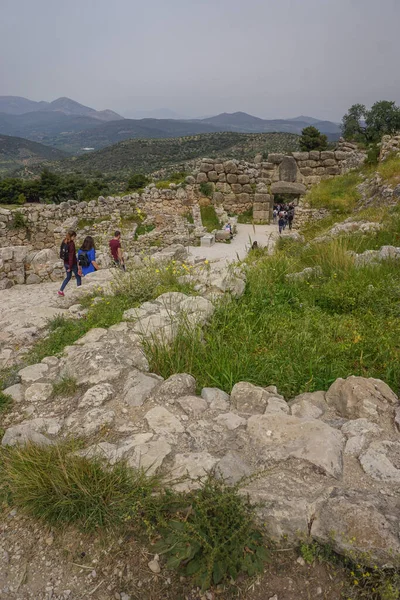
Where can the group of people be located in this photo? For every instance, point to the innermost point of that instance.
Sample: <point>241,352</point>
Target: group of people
<point>83,262</point>
<point>284,215</point>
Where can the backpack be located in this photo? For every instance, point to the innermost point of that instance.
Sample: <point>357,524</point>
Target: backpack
<point>64,252</point>
<point>83,259</point>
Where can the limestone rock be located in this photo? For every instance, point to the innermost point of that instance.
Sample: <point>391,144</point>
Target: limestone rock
<point>193,465</point>
<point>277,404</point>
<point>249,398</point>
<point>94,335</point>
<point>288,169</point>
<point>139,386</point>
<point>230,420</point>
<point>192,405</point>
<point>360,521</point>
<point>360,427</point>
<point>171,301</point>
<point>96,396</point>
<point>38,392</point>
<point>176,386</point>
<point>15,391</point>
<point>309,405</point>
<point>285,187</point>
<point>149,455</point>
<point>33,373</point>
<point>218,399</point>
<point>162,421</point>
<point>32,432</point>
<point>91,422</point>
<point>357,397</point>
<point>232,468</point>
<point>381,461</point>
<point>278,437</point>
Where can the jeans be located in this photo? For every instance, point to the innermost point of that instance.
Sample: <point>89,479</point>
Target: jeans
<point>74,270</point>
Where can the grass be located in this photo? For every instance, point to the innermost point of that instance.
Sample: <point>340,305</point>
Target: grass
<point>390,170</point>
<point>246,217</point>
<point>209,533</point>
<point>338,194</point>
<point>131,289</point>
<point>67,386</point>
<point>209,218</point>
<point>297,335</point>
<point>5,402</point>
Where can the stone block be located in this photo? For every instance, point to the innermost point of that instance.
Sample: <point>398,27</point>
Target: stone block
<point>320,170</point>
<point>329,162</point>
<point>306,171</point>
<point>276,159</point>
<point>262,197</point>
<point>301,155</point>
<point>312,163</point>
<point>244,198</point>
<point>206,167</point>
<point>288,169</point>
<point>339,155</point>
<point>247,188</point>
<point>260,206</point>
<point>212,176</point>
<point>261,216</point>
<point>218,197</point>
<point>243,179</point>
<point>327,154</point>
<point>315,155</point>
<point>207,240</point>
<point>236,188</point>
<point>230,166</point>
<point>222,177</point>
<point>268,166</point>
<point>232,178</point>
<point>219,167</point>
<point>286,187</point>
<point>333,170</point>
<point>225,188</point>
<point>201,178</point>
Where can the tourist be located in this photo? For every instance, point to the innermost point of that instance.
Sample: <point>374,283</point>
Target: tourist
<point>290,216</point>
<point>281,222</point>
<point>87,256</point>
<point>116,251</point>
<point>228,229</point>
<point>275,214</point>
<point>68,255</point>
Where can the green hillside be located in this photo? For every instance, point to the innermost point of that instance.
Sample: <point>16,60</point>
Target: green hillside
<point>17,152</point>
<point>149,155</point>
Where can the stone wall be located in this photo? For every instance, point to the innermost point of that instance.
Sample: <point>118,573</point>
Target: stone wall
<point>240,186</point>
<point>389,145</point>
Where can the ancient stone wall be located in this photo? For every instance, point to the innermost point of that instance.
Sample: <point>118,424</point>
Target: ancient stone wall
<point>240,186</point>
<point>389,145</point>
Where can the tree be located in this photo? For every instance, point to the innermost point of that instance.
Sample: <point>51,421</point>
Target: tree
<point>137,181</point>
<point>312,139</point>
<point>352,128</point>
<point>382,119</point>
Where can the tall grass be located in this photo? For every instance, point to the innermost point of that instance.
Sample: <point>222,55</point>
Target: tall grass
<point>209,218</point>
<point>390,169</point>
<point>298,335</point>
<point>339,194</point>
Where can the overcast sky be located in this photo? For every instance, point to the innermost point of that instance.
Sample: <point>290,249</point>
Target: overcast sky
<point>271,58</point>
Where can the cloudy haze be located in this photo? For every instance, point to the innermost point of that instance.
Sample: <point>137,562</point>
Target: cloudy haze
<point>271,58</point>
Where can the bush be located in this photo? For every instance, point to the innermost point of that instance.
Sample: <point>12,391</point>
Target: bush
<point>372,155</point>
<point>67,386</point>
<point>143,229</point>
<point>209,218</point>
<point>217,539</point>
<point>55,484</point>
<point>312,139</point>
<point>18,220</point>
<point>246,216</point>
<point>137,182</point>
<point>206,189</point>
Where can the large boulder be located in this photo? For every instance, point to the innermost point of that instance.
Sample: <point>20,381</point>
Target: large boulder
<point>278,437</point>
<point>288,169</point>
<point>358,397</point>
<point>286,187</point>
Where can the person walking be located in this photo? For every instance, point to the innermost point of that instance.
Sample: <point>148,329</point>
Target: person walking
<point>116,250</point>
<point>87,256</point>
<point>68,255</point>
<point>290,215</point>
<point>281,221</point>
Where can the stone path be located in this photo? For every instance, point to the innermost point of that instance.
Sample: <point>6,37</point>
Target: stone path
<point>265,235</point>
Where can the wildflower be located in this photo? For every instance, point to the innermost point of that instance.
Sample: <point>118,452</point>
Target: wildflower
<point>206,262</point>
<point>157,270</point>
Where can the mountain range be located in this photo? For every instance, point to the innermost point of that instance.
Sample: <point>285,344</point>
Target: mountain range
<point>72,127</point>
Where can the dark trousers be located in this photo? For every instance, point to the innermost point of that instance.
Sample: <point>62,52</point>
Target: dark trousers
<point>74,270</point>
<point>290,221</point>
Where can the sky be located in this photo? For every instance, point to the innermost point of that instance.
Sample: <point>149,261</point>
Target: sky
<point>270,58</point>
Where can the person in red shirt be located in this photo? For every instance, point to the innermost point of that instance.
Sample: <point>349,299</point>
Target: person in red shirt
<point>68,254</point>
<point>116,251</point>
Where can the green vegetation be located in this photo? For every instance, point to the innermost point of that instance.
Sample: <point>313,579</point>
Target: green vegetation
<point>339,194</point>
<point>390,170</point>
<point>312,139</point>
<point>246,216</point>
<point>209,533</point>
<point>18,220</point>
<point>143,229</point>
<point>137,182</point>
<point>67,386</point>
<point>5,402</point>
<point>141,284</point>
<point>368,126</point>
<point>209,218</point>
<point>217,539</point>
<point>206,189</point>
<point>298,335</point>
<point>49,187</point>
<point>17,152</point>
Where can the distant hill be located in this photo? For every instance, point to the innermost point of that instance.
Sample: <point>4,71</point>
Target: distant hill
<point>17,152</point>
<point>16,105</point>
<point>240,121</point>
<point>175,154</point>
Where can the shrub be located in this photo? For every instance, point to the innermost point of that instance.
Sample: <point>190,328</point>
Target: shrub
<point>5,402</point>
<point>55,484</point>
<point>207,189</point>
<point>372,155</point>
<point>178,177</point>
<point>312,139</point>
<point>143,229</point>
<point>67,386</point>
<point>209,218</point>
<point>217,539</point>
<point>162,185</point>
<point>137,182</point>
<point>246,217</point>
<point>18,220</point>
